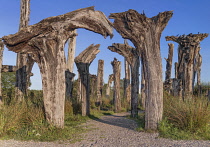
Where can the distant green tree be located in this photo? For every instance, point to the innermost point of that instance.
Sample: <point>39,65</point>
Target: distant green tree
<point>8,86</point>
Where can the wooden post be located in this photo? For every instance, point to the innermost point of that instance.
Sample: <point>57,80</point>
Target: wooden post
<point>116,72</point>
<point>132,58</point>
<point>189,46</point>
<point>83,61</point>
<point>70,65</point>
<point>111,79</point>
<point>45,41</point>
<point>1,59</point>
<point>145,34</point>
<point>100,75</point>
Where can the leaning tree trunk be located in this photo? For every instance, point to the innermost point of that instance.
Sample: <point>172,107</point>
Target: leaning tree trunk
<point>132,58</point>
<point>116,72</point>
<point>45,41</point>
<point>21,73</point>
<point>70,65</point>
<point>146,39</point>
<point>100,75</point>
<point>1,58</point>
<point>83,61</point>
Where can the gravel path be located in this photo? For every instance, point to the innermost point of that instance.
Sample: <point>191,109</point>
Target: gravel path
<point>112,131</point>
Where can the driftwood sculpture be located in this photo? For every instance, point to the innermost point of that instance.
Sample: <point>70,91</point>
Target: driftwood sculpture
<point>145,34</point>
<point>110,80</point>
<point>100,76</point>
<point>189,47</point>
<point>45,42</point>
<point>1,59</point>
<point>70,65</point>
<point>116,72</point>
<point>83,61</point>
<point>132,58</point>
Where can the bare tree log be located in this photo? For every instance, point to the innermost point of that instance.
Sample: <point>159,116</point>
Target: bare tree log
<point>110,80</point>
<point>100,75</point>
<point>132,58</point>
<point>189,46</point>
<point>1,59</point>
<point>21,63</point>
<point>83,61</point>
<point>116,72</point>
<point>70,65</point>
<point>145,34</point>
<point>45,42</point>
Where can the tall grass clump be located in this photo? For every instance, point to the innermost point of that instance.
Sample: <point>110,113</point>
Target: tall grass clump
<point>186,119</point>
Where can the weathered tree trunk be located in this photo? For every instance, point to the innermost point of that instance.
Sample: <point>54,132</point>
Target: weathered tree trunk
<point>189,46</point>
<point>93,86</point>
<point>199,63</point>
<point>132,58</point>
<point>83,61</point>
<point>45,41</point>
<point>1,59</point>
<point>21,73</point>
<point>111,79</point>
<point>70,65</point>
<point>127,85</point>
<point>145,34</point>
<point>100,76</point>
<point>116,72</point>
<point>143,87</point>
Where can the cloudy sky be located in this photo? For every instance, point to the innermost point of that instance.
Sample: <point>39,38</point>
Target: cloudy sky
<point>190,16</point>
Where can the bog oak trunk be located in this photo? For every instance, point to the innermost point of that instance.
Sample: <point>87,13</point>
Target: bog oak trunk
<point>145,34</point>
<point>45,41</point>
<point>116,72</point>
<point>83,61</point>
<point>132,58</point>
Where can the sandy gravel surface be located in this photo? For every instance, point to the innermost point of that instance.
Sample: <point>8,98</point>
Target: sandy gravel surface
<point>112,131</point>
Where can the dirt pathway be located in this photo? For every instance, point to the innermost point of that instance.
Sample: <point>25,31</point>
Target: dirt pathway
<point>113,131</point>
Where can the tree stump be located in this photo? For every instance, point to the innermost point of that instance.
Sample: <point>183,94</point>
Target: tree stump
<point>189,47</point>
<point>132,58</point>
<point>116,72</point>
<point>45,41</point>
<point>83,61</point>
<point>100,75</point>
<point>145,34</point>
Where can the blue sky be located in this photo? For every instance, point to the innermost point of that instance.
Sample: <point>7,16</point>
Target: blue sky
<point>189,17</point>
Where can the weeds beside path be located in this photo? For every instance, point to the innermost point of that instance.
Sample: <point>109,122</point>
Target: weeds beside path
<point>112,130</point>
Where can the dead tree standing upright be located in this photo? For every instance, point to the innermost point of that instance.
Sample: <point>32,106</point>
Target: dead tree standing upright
<point>100,76</point>
<point>45,41</point>
<point>83,61</point>
<point>1,58</point>
<point>145,34</point>
<point>189,47</point>
<point>132,58</point>
<point>110,80</point>
<point>116,72</point>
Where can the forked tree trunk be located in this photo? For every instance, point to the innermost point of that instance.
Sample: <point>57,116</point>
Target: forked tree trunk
<point>132,58</point>
<point>21,63</point>
<point>116,72</point>
<point>45,41</point>
<point>100,75</point>
<point>1,59</point>
<point>145,34</point>
<point>111,79</point>
<point>83,61</point>
<point>70,65</point>
<point>189,47</point>
<point>127,85</point>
